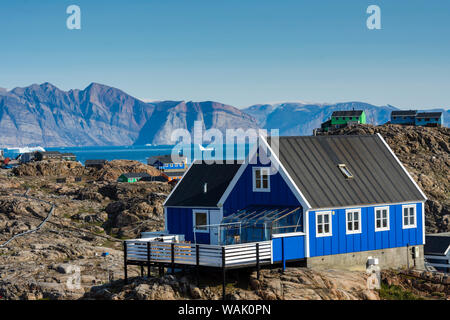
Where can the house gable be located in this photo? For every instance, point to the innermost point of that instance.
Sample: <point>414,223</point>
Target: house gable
<point>241,193</point>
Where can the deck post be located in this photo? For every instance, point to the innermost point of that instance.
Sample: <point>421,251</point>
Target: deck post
<point>173,257</point>
<point>283,258</point>
<point>142,270</point>
<point>148,258</point>
<point>197,261</point>
<point>224,271</point>
<point>257,261</point>
<point>125,262</point>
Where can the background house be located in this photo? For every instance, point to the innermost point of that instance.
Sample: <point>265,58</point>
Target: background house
<point>413,117</point>
<point>165,162</point>
<point>344,118</point>
<point>132,177</point>
<point>430,119</point>
<point>406,117</point>
<point>96,163</point>
<point>69,157</point>
<point>47,155</point>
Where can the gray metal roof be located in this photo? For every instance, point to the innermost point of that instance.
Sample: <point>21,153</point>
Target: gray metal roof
<point>429,115</point>
<point>312,163</point>
<point>164,159</point>
<point>404,112</point>
<point>136,175</point>
<point>347,113</point>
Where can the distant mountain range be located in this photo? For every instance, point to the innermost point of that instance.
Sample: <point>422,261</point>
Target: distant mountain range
<point>101,115</point>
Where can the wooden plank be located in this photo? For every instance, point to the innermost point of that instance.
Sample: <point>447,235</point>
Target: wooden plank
<point>262,251</point>
<point>253,257</point>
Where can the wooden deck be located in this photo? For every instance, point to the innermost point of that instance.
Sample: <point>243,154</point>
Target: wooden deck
<point>147,251</point>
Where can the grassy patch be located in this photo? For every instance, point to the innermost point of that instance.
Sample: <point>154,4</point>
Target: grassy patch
<point>396,293</point>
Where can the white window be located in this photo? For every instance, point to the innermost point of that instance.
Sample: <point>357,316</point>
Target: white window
<point>382,219</point>
<point>261,179</point>
<point>323,224</point>
<point>353,217</point>
<point>409,216</point>
<point>200,221</point>
<point>345,171</point>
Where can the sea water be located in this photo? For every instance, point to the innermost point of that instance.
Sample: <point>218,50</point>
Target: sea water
<point>141,153</point>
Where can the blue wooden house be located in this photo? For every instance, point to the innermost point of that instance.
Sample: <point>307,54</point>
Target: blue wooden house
<point>405,117</point>
<point>430,119</point>
<point>165,163</point>
<point>413,117</point>
<point>317,197</point>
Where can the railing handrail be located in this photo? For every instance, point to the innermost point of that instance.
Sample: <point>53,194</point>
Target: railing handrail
<point>205,254</point>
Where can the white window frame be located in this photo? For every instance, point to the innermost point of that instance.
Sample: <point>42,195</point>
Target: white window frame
<point>194,214</point>
<point>387,228</point>
<point>347,211</point>
<point>255,189</point>
<point>409,226</point>
<point>330,232</point>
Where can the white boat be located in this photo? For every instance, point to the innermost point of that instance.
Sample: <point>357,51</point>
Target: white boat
<point>202,148</point>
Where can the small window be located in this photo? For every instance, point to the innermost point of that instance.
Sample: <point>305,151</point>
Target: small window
<point>345,171</point>
<point>323,224</point>
<point>261,179</point>
<point>409,216</point>
<point>353,221</point>
<point>200,221</point>
<point>382,219</point>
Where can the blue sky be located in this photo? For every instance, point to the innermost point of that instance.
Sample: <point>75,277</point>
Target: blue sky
<point>239,52</point>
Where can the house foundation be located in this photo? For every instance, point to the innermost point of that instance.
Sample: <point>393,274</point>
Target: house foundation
<point>400,257</point>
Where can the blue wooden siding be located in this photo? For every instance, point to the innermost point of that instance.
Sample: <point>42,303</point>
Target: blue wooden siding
<point>180,221</point>
<point>243,196</point>
<point>431,120</point>
<point>403,120</point>
<point>368,239</point>
<point>294,248</point>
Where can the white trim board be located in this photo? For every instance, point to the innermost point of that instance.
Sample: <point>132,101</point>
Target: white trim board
<point>409,226</point>
<point>368,205</point>
<point>286,235</point>
<point>402,166</point>
<point>194,212</point>
<point>290,182</point>
<point>261,169</point>
<point>388,218</point>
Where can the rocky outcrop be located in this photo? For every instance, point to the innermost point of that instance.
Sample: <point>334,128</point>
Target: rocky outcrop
<point>113,169</point>
<point>293,284</point>
<point>422,284</point>
<point>425,152</point>
<point>50,168</point>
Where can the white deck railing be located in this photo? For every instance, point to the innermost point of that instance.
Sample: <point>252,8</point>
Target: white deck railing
<point>150,251</point>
